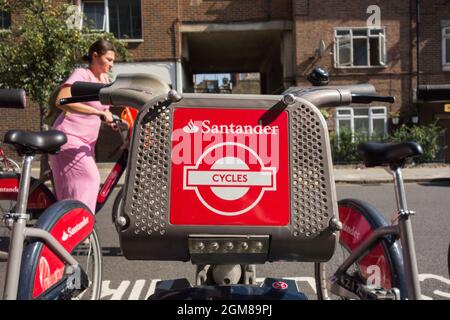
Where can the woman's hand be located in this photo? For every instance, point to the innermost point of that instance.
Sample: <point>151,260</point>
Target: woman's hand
<point>107,116</point>
<point>109,121</point>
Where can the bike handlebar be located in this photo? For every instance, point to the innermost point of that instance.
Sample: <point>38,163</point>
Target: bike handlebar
<point>357,98</point>
<point>136,90</point>
<point>81,88</point>
<point>133,90</point>
<point>13,98</point>
<point>335,97</point>
<point>430,93</point>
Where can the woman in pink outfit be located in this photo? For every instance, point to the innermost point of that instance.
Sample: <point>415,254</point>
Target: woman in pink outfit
<point>75,172</point>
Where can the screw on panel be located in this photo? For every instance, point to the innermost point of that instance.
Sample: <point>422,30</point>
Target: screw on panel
<point>288,99</point>
<point>200,246</point>
<point>335,225</point>
<point>214,246</point>
<point>174,96</point>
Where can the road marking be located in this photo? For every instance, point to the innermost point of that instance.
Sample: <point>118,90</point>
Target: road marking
<point>119,293</point>
<point>426,276</point>
<point>152,287</point>
<point>137,289</point>
<point>116,294</point>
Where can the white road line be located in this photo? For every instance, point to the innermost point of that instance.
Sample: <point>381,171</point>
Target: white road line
<point>137,289</point>
<point>116,294</point>
<point>152,287</point>
<point>139,285</point>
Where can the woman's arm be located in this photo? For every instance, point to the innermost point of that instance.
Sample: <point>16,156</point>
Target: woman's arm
<point>80,107</point>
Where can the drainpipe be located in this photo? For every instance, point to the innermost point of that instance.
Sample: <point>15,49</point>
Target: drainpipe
<point>178,48</point>
<point>418,41</point>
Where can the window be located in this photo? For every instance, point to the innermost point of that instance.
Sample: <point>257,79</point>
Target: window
<point>5,20</point>
<point>360,47</point>
<point>446,48</point>
<point>122,18</point>
<point>362,120</point>
<point>94,11</point>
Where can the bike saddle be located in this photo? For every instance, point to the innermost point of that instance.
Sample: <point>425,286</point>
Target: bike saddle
<point>30,143</point>
<point>377,154</point>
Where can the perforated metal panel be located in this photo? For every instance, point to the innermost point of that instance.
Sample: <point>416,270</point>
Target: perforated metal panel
<point>150,180</point>
<point>311,198</point>
<point>149,234</point>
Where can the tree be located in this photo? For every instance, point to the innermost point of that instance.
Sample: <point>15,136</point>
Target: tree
<point>43,49</point>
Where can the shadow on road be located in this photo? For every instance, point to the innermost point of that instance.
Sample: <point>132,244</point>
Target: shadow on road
<point>441,182</point>
<point>111,252</point>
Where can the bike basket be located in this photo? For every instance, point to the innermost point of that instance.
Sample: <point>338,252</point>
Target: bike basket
<point>229,179</point>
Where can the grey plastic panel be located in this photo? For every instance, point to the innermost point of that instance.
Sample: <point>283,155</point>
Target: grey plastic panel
<point>149,235</point>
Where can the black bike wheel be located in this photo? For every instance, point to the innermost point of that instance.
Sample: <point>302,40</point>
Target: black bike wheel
<point>89,256</point>
<point>448,259</point>
<point>382,266</point>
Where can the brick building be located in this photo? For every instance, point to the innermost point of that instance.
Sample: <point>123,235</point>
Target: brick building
<point>357,41</point>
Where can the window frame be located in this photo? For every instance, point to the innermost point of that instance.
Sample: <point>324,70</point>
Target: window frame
<point>445,38</point>
<point>106,22</point>
<point>105,14</point>
<point>382,46</point>
<point>370,117</point>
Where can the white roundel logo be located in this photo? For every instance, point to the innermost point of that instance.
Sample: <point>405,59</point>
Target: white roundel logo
<point>234,183</point>
<point>280,285</point>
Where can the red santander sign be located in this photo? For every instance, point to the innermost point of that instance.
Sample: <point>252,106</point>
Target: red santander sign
<point>228,169</point>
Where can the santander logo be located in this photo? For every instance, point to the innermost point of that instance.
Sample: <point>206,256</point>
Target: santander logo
<point>352,231</point>
<point>67,234</point>
<point>207,127</point>
<point>191,127</point>
<point>13,189</point>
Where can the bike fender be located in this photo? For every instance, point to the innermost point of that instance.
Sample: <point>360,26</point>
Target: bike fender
<point>69,222</point>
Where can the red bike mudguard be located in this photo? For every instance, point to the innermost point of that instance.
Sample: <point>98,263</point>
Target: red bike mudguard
<point>69,222</point>
<point>40,198</point>
<point>359,220</point>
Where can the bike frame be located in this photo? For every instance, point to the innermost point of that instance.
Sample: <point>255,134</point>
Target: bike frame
<point>110,182</point>
<point>403,231</point>
<point>20,232</point>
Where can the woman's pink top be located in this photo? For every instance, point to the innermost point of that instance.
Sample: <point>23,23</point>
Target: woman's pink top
<point>82,126</point>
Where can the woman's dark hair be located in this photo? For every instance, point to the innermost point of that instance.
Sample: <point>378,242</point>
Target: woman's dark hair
<point>99,46</point>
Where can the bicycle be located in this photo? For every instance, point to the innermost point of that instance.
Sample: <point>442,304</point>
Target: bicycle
<point>375,265</point>
<point>59,255</point>
<point>7,164</point>
<point>224,244</point>
<point>369,262</point>
<point>41,197</point>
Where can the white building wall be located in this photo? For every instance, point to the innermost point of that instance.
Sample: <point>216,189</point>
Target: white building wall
<point>166,70</point>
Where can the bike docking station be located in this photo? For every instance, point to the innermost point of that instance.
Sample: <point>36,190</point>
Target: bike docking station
<point>227,182</point>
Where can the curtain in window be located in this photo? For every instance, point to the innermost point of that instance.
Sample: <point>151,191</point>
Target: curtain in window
<point>125,19</point>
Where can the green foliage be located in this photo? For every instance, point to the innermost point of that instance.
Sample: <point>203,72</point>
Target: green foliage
<point>427,136</point>
<point>344,146</point>
<point>43,49</point>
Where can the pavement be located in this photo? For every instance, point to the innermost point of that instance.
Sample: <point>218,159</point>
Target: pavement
<point>346,174</point>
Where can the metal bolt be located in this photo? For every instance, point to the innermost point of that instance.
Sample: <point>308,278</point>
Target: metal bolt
<point>121,221</point>
<point>214,246</point>
<point>174,96</point>
<point>200,246</point>
<point>288,99</point>
<point>258,246</point>
<point>244,245</point>
<point>229,246</point>
<point>335,225</point>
